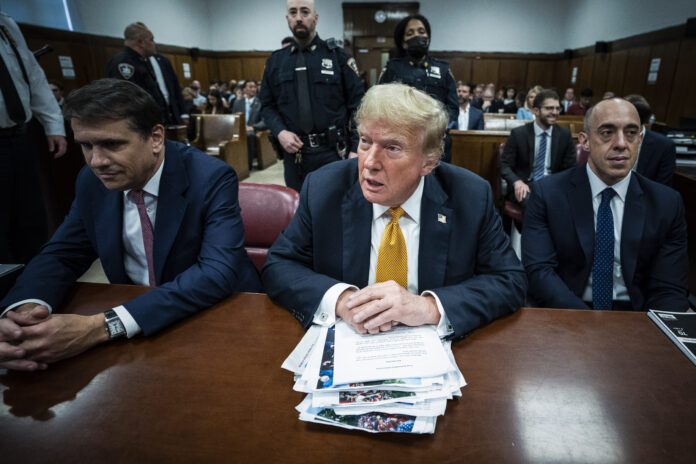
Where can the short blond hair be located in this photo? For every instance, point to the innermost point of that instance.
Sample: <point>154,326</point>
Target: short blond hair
<point>408,110</point>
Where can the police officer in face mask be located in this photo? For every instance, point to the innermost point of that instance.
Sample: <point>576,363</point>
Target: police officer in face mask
<point>414,67</point>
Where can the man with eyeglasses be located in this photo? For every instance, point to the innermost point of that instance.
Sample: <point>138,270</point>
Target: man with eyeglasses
<point>601,236</point>
<point>537,149</point>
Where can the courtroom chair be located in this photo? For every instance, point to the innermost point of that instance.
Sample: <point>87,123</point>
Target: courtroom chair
<point>224,136</point>
<point>580,154</point>
<point>265,154</point>
<point>512,215</point>
<point>177,133</point>
<point>266,210</point>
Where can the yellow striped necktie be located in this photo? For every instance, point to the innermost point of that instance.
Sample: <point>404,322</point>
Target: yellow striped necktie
<point>391,258</point>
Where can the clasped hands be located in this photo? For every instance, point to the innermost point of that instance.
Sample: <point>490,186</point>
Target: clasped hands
<point>31,337</point>
<point>378,307</point>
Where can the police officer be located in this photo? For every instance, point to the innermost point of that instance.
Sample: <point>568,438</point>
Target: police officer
<point>414,67</point>
<point>309,93</point>
<point>134,64</point>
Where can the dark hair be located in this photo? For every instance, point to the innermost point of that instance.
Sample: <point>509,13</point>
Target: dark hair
<point>287,40</point>
<point>248,81</point>
<point>114,100</point>
<point>466,84</point>
<point>642,105</point>
<point>208,107</point>
<point>587,92</point>
<point>401,28</point>
<point>543,95</point>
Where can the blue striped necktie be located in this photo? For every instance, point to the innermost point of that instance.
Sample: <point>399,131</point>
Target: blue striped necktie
<point>540,159</point>
<point>603,266</point>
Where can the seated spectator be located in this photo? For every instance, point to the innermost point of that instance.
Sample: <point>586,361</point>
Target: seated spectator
<point>537,149</point>
<point>607,95</point>
<point>580,108</point>
<point>490,104</point>
<point>509,96</point>
<point>500,95</point>
<point>470,117</point>
<point>287,41</point>
<point>250,106</point>
<point>190,110</point>
<point>477,98</point>
<point>57,89</point>
<point>600,236</point>
<point>525,113</point>
<point>237,93</point>
<point>199,99</point>
<point>568,100</point>
<point>214,104</point>
<point>657,155</point>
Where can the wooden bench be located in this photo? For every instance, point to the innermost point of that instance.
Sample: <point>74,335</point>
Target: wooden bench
<point>265,154</point>
<point>477,151</point>
<point>219,135</point>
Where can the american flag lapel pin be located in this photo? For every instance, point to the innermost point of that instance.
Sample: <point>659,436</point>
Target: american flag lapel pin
<point>441,218</point>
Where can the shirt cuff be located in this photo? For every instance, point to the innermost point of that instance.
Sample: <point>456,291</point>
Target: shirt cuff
<point>132,327</point>
<point>29,300</point>
<point>326,312</point>
<point>444,328</point>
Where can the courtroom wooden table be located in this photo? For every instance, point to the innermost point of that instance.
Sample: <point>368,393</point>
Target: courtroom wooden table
<point>544,385</point>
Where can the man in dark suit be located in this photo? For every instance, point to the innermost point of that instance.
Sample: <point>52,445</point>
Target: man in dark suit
<point>601,236</point>
<point>490,104</point>
<point>537,149</point>
<point>139,63</point>
<point>470,117</point>
<point>155,212</point>
<point>657,157</point>
<point>250,106</point>
<point>393,238</point>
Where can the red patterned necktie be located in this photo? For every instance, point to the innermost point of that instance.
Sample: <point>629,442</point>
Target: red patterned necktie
<point>136,197</point>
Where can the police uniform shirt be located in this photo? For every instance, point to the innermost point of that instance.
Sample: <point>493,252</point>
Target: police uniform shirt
<point>334,87</point>
<point>129,65</point>
<point>431,75</point>
<point>37,98</point>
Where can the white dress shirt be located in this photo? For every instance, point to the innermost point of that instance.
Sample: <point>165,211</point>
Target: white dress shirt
<point>37,98</point>
<point>617,204</point>
<point>537,140</point>
<point>134,259</point>
<point>160,78</point>
<point>463,120</point>
<point>409,224</point>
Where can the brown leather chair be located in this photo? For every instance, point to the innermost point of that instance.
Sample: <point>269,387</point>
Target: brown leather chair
<point>510,209</point>
<point>580,154</point>
<point>219,135</point>
<point>266,210</point>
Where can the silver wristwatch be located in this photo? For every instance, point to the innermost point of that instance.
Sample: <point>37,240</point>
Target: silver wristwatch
<point>114,326</point>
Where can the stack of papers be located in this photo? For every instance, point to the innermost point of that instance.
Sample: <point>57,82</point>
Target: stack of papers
<point>395,381</point>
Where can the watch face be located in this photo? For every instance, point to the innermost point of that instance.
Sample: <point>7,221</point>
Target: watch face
<point>115,328</point>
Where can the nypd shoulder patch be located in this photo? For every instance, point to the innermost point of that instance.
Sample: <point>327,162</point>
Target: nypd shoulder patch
<point>351,63</point>
<point>127,70</point>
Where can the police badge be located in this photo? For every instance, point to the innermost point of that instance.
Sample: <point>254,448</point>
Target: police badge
<point>126,70</point>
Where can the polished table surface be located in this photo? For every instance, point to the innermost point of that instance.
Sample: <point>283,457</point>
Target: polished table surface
<point>544,385</point>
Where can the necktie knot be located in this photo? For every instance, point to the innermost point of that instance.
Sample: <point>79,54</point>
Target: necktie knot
<point>396,213</point>
<point>608,194</point>
<point>137,197</point>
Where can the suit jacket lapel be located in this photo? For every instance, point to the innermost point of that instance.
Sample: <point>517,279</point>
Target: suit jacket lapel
<point>107,210</point>
<point>580,204</point>
<point>632,229</point>
<point>356,214</point>
<point>555,135</point>
<point>530,147</point>
<point>435,230</point>
<point>171,206</point>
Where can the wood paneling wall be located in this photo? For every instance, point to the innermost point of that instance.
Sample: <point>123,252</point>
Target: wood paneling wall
<point>622,70</point>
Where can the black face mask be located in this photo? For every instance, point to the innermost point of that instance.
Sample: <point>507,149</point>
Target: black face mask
<point>417,46</point>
